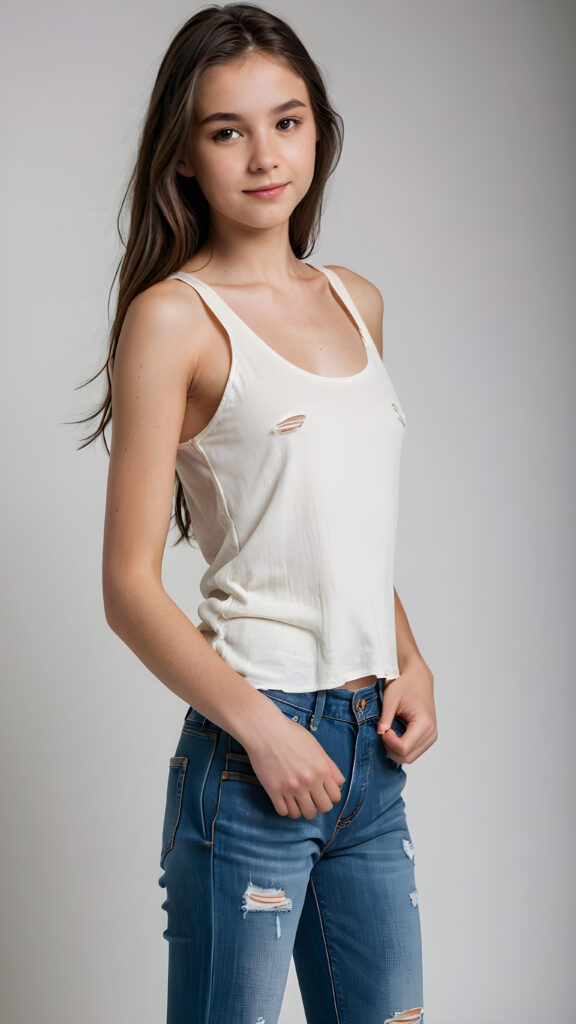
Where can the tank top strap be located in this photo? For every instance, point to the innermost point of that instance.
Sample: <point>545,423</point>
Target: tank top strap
<point>221,311</point>
<point>341,289</point>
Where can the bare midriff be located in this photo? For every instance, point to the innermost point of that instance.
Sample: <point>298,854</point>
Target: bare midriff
<point>357,684</point>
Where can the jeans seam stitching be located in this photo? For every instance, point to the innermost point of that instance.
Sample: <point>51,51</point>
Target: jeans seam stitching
<point>327,951</point>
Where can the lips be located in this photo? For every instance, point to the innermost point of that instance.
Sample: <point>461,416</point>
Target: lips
<point>267,192</point>
<point>266,188</point>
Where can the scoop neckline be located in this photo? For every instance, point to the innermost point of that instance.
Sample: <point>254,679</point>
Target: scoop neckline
<point>299,369</point>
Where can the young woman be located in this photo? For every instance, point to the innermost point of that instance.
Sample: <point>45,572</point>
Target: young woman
<point>254,381</point>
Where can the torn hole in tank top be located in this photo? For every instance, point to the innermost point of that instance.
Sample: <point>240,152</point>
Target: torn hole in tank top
<point>399,413</point>
<point>290,424</point>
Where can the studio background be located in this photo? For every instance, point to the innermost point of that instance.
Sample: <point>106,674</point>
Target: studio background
<point>455,195</point>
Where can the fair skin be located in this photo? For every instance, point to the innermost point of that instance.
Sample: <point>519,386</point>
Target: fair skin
<point>171,367</point>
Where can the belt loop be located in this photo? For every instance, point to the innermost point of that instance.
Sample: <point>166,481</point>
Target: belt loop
<point>318,709</point>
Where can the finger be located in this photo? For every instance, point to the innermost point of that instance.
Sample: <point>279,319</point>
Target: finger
<point>403,745</point>
<point>396,755</point>
<point>293,808</point>
<point>422,748</point>
<point>321,802</point>
<point>280,806</point>
<point>333,790</point>
<point>326,796</point>
<point>307,805</point>
<point>390,702</point>
<point>393,736</point>
<point>409,751</point>
<point>408,758</point>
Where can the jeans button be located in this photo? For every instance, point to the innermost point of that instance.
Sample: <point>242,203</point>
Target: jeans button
<point>361,704</point>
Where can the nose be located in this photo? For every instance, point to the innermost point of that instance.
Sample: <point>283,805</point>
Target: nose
<point>263,155</point>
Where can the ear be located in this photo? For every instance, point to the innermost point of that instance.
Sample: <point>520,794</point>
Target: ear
<point>183,168</point>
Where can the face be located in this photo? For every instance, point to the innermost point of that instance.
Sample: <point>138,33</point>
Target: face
<point>253,127</point>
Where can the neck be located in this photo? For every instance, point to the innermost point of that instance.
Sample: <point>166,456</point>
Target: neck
<point>244,256</point>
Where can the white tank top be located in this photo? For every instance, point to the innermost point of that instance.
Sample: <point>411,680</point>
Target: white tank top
<point>292,489</point>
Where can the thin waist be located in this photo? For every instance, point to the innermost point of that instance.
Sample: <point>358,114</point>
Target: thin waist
<point>342,704</point>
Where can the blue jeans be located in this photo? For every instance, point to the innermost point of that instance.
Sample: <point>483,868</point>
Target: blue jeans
<point>248,888</point>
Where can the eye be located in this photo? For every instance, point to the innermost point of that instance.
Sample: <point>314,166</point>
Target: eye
<point>219,134</point>
<point>286,120</point>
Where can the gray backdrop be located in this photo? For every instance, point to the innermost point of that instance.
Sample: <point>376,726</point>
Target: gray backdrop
<point>455,195</point>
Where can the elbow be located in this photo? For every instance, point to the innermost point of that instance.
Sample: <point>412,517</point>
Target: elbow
<point>122,596</point>
<point>111,612</point>
<point>114,606</point>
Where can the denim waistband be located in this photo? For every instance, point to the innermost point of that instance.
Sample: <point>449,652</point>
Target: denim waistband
<point>346,705</point>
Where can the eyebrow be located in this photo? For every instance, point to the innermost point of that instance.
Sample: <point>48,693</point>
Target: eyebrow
<point>222,116</point>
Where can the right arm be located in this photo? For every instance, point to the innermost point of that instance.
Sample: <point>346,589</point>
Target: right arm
<point>154,366</point>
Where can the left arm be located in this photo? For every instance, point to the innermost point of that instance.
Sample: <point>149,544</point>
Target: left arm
<point>410,696</point>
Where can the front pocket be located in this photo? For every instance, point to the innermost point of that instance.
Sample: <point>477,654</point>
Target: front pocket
<point>173,810</point>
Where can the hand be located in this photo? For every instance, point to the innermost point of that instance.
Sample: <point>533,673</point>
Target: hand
<point>295,770</point>
<point>411,697</point>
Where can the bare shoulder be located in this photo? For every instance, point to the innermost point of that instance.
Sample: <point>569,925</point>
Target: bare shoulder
<point>368,299</point>
<point>166,322</point>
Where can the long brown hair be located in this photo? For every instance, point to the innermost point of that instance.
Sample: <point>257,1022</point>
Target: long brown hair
<point>169,216</point>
